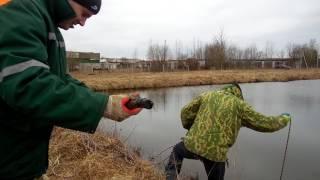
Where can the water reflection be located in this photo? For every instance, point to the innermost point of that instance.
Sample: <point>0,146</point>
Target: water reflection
<point>255,155</point>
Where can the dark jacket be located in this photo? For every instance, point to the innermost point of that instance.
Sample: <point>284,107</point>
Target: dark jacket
<point>36,93</point>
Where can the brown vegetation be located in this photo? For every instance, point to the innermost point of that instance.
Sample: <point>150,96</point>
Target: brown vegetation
<point>74,155</point>
<point>103,81</point>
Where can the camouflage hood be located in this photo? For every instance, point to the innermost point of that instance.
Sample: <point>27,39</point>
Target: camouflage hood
<point>233,89</point>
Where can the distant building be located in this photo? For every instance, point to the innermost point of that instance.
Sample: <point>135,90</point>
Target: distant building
<point>83,55</point>
<point>285,63</point>
<point>82,60</point>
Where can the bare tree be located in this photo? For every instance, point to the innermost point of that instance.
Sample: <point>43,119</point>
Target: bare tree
<point>135,54</point>
<point>159,55</point>
<point>151,52</point>
<point>215,53</point>
<point>252,53</point>
<point>232,52</point>
<point>307,53</point>
<point>157,52</point>
<point>199,52</point>
<point>269,50</point>
<point>290,49</point>
<point>318,50</point>
<point>311,53</point>
<point>164,51</point>
<point>178,49</point>
<point>281,54</point>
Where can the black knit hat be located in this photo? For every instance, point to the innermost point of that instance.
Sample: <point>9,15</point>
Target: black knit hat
<point>91,5</point>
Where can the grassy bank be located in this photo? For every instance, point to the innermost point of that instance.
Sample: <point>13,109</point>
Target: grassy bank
<point>74,155</point>
<point>103,81</point>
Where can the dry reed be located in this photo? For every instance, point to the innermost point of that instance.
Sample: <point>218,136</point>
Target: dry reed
<point>75,155</point>
<point>104,81</point>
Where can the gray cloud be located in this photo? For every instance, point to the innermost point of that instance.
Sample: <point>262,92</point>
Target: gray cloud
<point>125,25</point>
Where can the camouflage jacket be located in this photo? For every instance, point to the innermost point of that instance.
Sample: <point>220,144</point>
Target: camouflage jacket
<point>215,118</point>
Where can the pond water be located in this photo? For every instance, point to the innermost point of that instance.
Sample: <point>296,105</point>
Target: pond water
<point>255,155</point>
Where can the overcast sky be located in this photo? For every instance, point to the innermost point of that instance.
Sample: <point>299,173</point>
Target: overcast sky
<point>125,26</point>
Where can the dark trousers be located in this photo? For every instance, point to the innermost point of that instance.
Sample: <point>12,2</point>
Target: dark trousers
<point>214,170</point>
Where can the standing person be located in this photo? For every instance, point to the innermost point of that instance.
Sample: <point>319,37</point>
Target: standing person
<point>35,90</point>
<point>213,121</point>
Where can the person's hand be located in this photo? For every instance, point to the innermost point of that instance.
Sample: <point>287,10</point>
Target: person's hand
<point>287,116</point>
<point>116,107</point>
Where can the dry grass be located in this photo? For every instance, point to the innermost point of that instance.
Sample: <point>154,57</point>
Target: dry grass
<point>103,81</point>
<point>75,155</point>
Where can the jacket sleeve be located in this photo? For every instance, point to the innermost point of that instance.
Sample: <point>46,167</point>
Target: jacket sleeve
<point>38,97</point>
<point>259,122</point>
<point>189,112</point>
<point>75,81</point>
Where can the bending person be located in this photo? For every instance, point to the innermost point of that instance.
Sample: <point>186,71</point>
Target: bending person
<point>213,121</point>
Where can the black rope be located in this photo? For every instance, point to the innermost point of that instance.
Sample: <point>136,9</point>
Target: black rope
<point>285,151</point>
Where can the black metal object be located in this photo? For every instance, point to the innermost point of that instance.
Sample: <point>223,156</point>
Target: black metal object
<point>139,103</point>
